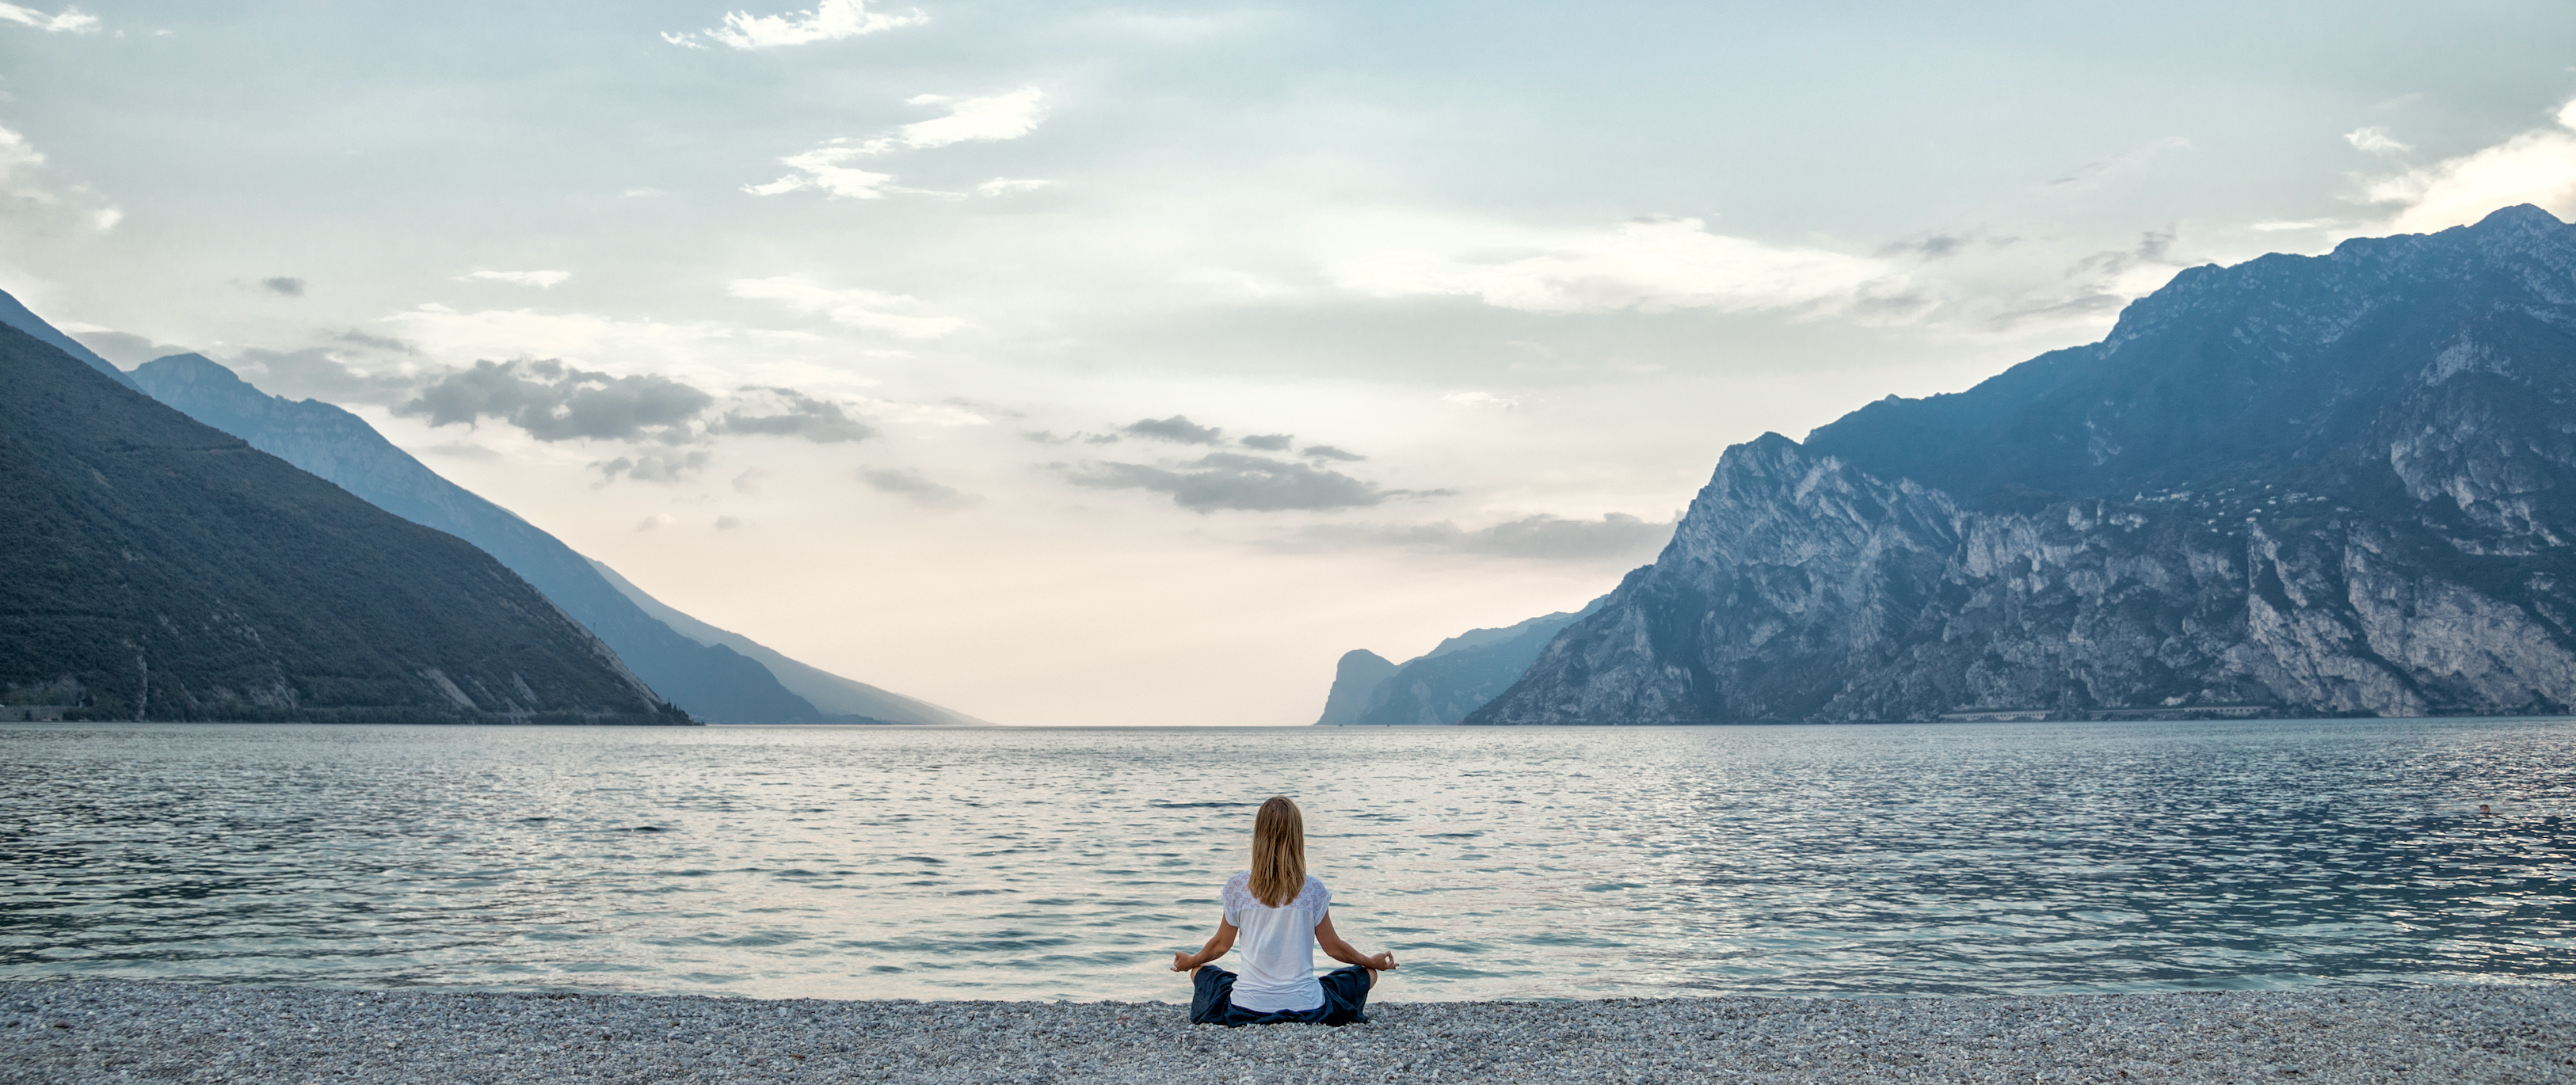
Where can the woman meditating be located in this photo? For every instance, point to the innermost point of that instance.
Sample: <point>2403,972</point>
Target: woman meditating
<point>1280,913</point>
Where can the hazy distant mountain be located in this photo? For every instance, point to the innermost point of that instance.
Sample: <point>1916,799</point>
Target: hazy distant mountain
<point>1356,675</point>
<point>835,695</point>
<point>712,684</point>
<point>2335,485</point>
<point>17,316</point>
<point>1443,685</point>
<point>159,569</point>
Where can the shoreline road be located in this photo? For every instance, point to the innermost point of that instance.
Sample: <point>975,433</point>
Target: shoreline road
<point>80,1031</point>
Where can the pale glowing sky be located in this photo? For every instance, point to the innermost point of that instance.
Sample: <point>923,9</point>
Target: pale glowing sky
<point>835,326</point>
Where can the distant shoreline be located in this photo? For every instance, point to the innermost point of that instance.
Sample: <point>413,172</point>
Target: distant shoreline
<point>75,1031</point>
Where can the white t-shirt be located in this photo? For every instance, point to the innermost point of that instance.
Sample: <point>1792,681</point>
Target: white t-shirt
<point>1278,946</point>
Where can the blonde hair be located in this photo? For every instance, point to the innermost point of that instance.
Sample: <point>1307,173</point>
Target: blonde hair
<point>1278,852</point>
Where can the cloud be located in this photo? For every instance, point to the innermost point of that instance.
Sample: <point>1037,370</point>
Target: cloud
<point>1177,429</point>
<point>2272,226</point>
<point>1328,452</point>
<point>654,467</point>
<point>829,20</point>
<point>1479,399</point>
<point>1940,246</point>
<point>2374,139</point>
<point>16,154</point>
<point>2086,175</point>
<point>854,307</point>
<point>1009,186</point>
<point>2101,283</point>
<point>124,348</point>
<point>795,414</point>
<point>320,373</point>
<point>990,118</point>
<point>821,168</point>
<point>1269,442</point>
<point>728,523</point>
<point>986,119</point>
<point>70,20</point>
<point>555,402</point>
<point>1228,480</point>
<point>657,520</point>
<point>749,481</point>
<point>917,488</point>
<point>1649,266</point>
<point>539,279</point>
<point>21,182</point>
<point>385,343</point>
<point>1050,437</point>
<point>1616,537</point>
<point>283,284</point>
<point>2536,167</point>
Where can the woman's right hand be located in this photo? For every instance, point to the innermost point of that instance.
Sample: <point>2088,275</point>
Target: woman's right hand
<point>1382,962</point>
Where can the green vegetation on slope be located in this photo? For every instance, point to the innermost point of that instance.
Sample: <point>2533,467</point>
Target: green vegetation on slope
<point>156,568</point>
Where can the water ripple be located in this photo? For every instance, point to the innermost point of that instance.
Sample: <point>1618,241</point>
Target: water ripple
<point>1499,863</point>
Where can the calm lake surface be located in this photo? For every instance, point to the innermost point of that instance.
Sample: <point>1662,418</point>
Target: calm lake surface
<point>1009,863</point>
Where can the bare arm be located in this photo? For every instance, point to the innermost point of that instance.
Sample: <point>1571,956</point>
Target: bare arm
<point>1342,951</point>
<point>1216,946</point>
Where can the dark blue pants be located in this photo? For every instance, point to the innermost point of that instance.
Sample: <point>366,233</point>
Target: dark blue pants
<point>1346,992</point>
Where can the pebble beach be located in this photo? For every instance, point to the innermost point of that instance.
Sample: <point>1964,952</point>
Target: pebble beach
<point>66,1032</point>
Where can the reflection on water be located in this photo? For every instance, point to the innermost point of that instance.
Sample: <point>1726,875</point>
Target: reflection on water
<point>851,862</point>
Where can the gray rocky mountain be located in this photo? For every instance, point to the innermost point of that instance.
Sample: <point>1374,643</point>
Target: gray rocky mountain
<point>1443,685</point>
<point>2335,485</point>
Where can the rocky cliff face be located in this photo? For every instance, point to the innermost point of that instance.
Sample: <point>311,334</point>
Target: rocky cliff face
<point>2341,485</point>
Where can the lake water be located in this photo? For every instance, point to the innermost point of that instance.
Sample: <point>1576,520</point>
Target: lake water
<point>1011,863</point>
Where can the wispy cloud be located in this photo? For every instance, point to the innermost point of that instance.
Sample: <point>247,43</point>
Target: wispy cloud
<point>1233,481</point>
<point>1177,429</point>
<point>556,402</point>
<point>917,488</point>
<point>830,20</point>
<point>858,308</point>
<point>1616,538</point>
<point>2091,173</point>
<point>989,118</point>
<point>654,467</point>
<point>539,279</point>
<point>1009,186</point>
<point>786,412</point>
<point>2535,167</point>
<point>1480,399</point>
<point>821,169</point>
<point>2374,139</point>
<point>69,20</point>
<point>827,168</point>
<point>21,170</point>
<point>1649,266</point>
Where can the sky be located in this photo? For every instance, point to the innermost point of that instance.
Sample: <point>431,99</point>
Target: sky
<point>1080,363</point>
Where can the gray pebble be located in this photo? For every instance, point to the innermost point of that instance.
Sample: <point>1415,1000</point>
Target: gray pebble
<point>73,1032</point>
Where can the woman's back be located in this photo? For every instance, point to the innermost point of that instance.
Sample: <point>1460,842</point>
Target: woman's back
<point>1278,945</point>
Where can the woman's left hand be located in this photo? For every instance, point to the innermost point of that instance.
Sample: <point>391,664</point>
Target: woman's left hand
<point>1181,962</point>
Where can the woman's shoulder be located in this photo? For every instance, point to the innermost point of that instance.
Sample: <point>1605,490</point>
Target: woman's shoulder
<point>1314,895</point>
